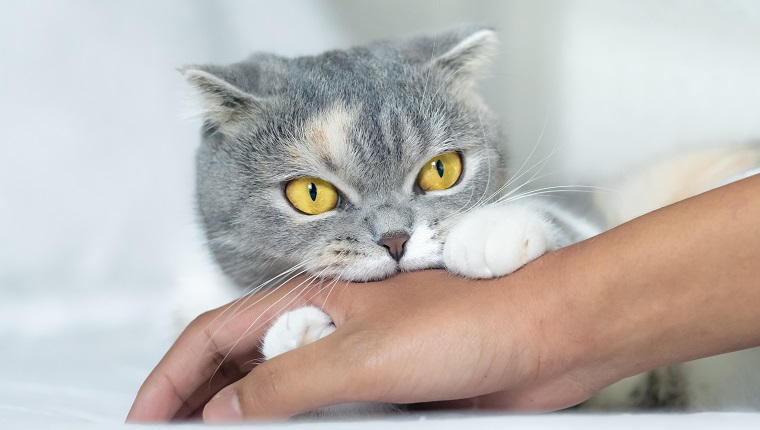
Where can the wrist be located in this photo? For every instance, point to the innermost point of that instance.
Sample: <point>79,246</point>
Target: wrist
<point>674,285</point>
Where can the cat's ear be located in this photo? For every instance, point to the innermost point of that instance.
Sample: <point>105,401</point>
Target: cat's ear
<point>463,54</point>
<point>225,107</point>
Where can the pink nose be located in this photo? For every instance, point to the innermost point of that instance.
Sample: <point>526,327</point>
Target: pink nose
<point>394,243</point>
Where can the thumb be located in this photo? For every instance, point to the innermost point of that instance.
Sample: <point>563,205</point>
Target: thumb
<point>298,381</point>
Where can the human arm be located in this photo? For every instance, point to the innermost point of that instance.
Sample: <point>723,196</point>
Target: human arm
<point>674,285</point>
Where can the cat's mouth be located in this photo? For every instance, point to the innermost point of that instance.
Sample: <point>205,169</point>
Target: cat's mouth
<point>377,270</point>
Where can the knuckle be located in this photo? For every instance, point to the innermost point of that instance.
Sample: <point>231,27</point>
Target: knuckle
<point>260,389</point>
<point>202,321</point>
<point>202,330</point>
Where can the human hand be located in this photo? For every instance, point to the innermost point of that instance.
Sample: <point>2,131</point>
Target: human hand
<point>544,337</point>
<point>418,337</point>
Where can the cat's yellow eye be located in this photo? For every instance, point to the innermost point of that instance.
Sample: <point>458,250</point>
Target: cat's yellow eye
<point>312,196</point>
<point>441,172</point>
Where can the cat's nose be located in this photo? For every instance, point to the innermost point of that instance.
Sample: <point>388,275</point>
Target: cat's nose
<point>395,244</point>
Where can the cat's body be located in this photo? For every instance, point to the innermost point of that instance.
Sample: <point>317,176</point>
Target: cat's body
<point>327,165</point>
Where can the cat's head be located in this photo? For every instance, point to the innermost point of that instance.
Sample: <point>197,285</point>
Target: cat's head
<point>351,164</point>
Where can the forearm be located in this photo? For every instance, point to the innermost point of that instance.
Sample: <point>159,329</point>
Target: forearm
<point>675,285</point>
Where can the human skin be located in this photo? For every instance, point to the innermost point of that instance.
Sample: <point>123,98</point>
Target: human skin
<point>674,285</point>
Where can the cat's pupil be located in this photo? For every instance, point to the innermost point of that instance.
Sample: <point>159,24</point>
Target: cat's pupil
<point>312,191</point>
<point>439,167</point>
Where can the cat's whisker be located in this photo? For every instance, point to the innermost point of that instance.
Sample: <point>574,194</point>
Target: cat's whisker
<point>533,179</point>
<point>540,164</point>
<point>298,267</point>
<point>427,76</point>
<point>238,312</point>
<point>250,291</point>
<point>310,279</point>
<point>332,285</point>
<point>543,193</point>
<point>243,306</point>
<point>254,361</point>
<point>518,174</point>
<point>250,327</point>
<point>240,302</point>
<point>563,187</point>
<point>552,190</point>
<point>533,151</point>
<point>465,209</point>
<point>307,282</point>
<point>302,292</point>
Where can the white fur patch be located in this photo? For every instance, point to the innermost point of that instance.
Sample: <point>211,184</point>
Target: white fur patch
<point>295,329</point>
<point>326,138</point>
<point>675,179</point>
<point>365,269</point>
<point>328,132</point>
<point>422,251</point>
<point>497,240</point>
<point>301,327</point>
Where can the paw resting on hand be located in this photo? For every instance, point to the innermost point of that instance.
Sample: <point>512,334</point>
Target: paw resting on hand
<point>295,329</point>
<point>496,240</point>
<point>303,326</point>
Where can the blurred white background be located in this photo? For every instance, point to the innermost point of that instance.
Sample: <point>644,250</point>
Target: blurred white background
<point>96,162</point>
<point>96,181</point>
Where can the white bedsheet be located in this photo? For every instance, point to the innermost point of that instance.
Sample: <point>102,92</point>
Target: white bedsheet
<point>66,366</point>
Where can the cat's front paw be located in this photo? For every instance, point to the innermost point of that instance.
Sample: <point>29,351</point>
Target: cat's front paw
<point>301,327</point>
<point>495,241</point>
<point>295,329</point>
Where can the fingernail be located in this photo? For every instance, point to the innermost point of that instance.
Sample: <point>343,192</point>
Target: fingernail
<point>223,408</point>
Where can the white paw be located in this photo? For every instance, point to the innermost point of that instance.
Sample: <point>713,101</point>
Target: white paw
<point>295,329</point>
<point>303,326</point>
<point>496,240</point>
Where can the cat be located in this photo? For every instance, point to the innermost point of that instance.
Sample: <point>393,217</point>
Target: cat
<point>362,163</point>
<point>359,164</point>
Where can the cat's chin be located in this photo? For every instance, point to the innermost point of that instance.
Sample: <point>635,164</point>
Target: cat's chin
<point>378,271</point>
<point>420,264</point>
<point>364,272</point>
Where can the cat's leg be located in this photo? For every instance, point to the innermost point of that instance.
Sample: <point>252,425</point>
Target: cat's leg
<point>498,239</point>
<point>665,389</point>
<point>301,327</point>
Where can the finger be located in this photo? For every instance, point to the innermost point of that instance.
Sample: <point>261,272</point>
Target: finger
<point>301,380</point>
<point>217,344</point>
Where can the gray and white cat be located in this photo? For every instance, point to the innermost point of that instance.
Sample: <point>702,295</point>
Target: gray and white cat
<point>359,164</point>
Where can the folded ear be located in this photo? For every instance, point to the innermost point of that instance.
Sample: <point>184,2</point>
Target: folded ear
<point>470,52</point>
<point>225,106</point>
<point>459,55</point>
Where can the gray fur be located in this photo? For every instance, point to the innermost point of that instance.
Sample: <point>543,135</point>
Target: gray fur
<point>664,389</point>
<point>412,100</point>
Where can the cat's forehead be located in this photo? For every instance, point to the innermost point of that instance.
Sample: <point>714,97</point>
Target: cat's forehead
<point>364,117</point>
<point>366,146</point>
<point>323,141</point>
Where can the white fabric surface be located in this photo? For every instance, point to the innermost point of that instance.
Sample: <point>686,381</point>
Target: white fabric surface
<point>85,373</point>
